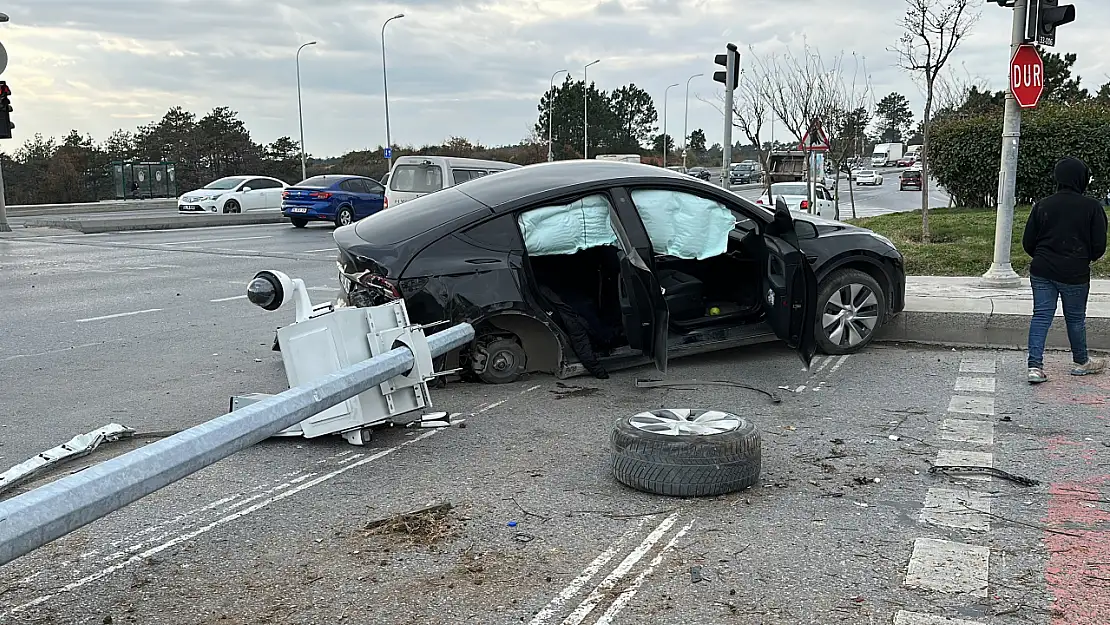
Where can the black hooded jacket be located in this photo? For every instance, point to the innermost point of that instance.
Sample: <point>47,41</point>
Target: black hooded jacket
<point>1066,231</point>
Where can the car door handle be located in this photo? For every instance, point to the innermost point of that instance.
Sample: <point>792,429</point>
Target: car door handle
<point>482,261</point>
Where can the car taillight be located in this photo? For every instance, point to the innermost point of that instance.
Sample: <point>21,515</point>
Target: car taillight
<point>320,195</point>
<point>284,195</point>
<point>759,201</point>
<point>805,205</point>
<point>385,202</point>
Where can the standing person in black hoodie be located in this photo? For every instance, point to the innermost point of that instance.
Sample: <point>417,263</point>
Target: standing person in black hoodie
<point>1066,232</point>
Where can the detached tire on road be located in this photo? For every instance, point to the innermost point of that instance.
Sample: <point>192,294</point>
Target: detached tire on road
<point>683,452</point>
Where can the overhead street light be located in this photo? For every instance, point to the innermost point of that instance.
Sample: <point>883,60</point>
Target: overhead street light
<point>385,85</point>
<point>550,121</point>
<point>300,114</point>
<point>586,109</point>
<point>686,119</point>
<point>665,123</point>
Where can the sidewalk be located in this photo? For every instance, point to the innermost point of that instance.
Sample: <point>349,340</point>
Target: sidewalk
<point>960,311</point>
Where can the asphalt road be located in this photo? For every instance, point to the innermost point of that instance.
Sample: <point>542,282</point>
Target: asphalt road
<point>151,330</point>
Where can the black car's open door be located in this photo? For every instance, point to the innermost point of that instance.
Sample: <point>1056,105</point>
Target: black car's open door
<point>643,309</point>
<point>790,287</point>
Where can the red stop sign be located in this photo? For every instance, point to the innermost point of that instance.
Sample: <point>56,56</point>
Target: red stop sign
<point>1027,76</point>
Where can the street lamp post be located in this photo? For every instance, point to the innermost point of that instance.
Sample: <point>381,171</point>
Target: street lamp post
<point>550,121</point>
<point>686,119</point>
<point>385,86</point>
<point>300,115</point>
<point>586,109</point>
<point>665,123</point>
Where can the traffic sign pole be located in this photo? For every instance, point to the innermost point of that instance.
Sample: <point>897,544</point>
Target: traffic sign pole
<point>1001,272</point>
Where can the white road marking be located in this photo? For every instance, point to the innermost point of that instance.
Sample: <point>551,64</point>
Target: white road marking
<point>630,592</point>
<point>800,389</point>
<point>961,509</point>
<point>978,366</point>
<point>967,431</point>
<point>49,352</point>
<point>974,385</point>
<point>215,240</point>
<point>228,299</point>
<point>954,457</point>
<point>590,602</point>
<point>949,567</point>
<point>323,288</point>
<point>575,586</point>
<point>117,315</point>
<point>971,405</point>
<point>916,618</point>
<point>139,557</point>
<point>326,249</point>
<point>839,363</point>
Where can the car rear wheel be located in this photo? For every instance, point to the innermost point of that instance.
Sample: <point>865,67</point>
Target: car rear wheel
<point>851,308</point>
<point>231,206</point>
<point>344,217</point>
<point>298,222</point>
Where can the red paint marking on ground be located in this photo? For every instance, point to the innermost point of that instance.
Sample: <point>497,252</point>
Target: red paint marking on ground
<point>1078,569</point>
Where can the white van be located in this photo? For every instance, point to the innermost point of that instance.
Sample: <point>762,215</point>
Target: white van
<point>414,176</point>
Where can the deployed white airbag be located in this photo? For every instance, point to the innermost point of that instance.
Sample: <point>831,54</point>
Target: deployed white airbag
<point>683,225</point>
<point>567,228</point>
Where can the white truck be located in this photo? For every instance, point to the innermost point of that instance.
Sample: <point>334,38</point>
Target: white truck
<point>887,154</point>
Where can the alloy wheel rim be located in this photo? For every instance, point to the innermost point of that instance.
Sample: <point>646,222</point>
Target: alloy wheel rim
<point>345,218</point>
<point>850,315</point>
<point>685,422</point>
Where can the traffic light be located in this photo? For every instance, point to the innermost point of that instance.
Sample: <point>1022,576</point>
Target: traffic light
<point>6,124</point>
<point>722,59</point>
<point>1048,15</point>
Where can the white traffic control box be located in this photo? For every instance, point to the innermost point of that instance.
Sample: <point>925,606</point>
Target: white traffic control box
<point>325,339</point>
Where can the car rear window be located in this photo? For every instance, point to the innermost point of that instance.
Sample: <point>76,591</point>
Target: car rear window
<point>790,189</point>
<point>416,178</point>
<point>317,182</point>
<point>911,174</point>
<point>415,217</point>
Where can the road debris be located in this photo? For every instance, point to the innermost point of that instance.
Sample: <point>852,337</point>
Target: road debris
<point>76,447</point>
<point>1017,479</point>
<point>428,525</point>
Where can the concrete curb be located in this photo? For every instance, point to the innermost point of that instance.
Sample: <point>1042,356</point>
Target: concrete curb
<point>50,210</point>
<point>990,330</point>
<point>97,226</point>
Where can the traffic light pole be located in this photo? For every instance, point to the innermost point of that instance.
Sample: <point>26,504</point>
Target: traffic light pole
<point>4,227</point>
<point>1001,272</point>
<point>730,87</point>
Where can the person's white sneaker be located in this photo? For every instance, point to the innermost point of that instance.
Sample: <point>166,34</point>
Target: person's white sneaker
<point>1093,365</point>
<point>1037,375</point>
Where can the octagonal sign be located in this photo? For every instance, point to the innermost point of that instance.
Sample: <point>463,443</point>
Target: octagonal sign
<point>1027,76</point>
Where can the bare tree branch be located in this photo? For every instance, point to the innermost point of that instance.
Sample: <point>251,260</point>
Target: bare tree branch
<point>932,31</point>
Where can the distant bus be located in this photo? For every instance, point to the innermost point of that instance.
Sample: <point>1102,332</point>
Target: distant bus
<point>623,158</point>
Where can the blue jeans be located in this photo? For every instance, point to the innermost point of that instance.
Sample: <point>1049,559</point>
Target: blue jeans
<point>1045,294</point>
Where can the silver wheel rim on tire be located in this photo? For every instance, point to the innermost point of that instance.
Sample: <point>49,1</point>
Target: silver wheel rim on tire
<point>345,218</point>
<point>685,422</point>
<point>850,315</point>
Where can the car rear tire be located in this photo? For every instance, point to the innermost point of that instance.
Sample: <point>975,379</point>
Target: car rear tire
<point>231,206</point>
<point>497,360</point>
<point>298,222</point>
<point>685,453</point>
<point>344,217</point>
<point>851,307</point>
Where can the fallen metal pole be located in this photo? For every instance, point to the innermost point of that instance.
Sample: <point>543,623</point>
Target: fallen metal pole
<point>35,518</point>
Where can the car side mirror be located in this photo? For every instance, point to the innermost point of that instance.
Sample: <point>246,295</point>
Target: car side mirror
<point>782,214</point>
<point>245,189</point>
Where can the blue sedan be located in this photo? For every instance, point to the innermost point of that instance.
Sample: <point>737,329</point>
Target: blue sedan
<point>339,199</point>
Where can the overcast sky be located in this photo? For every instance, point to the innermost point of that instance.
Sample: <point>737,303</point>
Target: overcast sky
<point>471,68</point>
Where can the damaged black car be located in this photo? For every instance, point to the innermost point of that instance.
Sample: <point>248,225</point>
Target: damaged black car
<point>585,266</point>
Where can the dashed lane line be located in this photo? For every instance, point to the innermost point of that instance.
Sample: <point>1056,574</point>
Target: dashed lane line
<point>967,431</point>
<point>959,509</point>
<point>958,457</point>
<point>968,404</point>
<point>974,385</point>
<point>949,567</point>
<point>916,618</point>
<point>118,315</point>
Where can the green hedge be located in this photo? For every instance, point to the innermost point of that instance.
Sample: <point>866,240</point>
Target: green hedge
<point>965,152</point>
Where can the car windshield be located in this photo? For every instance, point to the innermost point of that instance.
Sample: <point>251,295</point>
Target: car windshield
<point>223,184</point>
<point>416,178</point>
<point>317,182</point>
<point>789,189</point>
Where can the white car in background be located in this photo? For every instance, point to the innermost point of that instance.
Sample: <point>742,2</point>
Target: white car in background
<point>869,177</point>
<point>234,194</point>
<point>796,196</point>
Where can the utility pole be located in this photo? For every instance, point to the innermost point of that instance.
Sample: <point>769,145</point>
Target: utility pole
<point>665,124</point>
<point>686,120</point>
<point>300,114</point>
<point>550,120</point>
<point>1001,272</point>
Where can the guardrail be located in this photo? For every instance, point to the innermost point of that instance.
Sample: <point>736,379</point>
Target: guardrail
<point>35,518</point>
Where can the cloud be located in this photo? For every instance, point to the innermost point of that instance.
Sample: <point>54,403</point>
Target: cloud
<point>472,68</point>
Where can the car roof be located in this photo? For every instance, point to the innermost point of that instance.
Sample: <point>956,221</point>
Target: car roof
<point>506,187</point>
